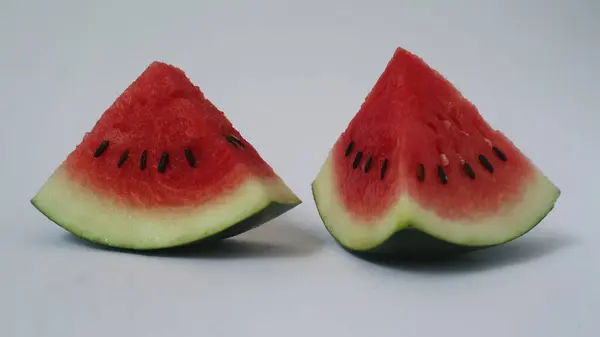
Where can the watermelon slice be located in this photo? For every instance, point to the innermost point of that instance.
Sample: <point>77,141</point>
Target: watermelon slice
<point>418,173</point>
<point>162,167</point>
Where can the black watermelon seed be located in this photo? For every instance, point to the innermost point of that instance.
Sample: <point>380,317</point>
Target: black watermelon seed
<point>162,164</point>
<point>357,159</point>
<point>235,141</point>
<point>123,158</point>
<point>232,141</point>
<point>468,170</point>
<point>486,163</point>
<point>101,148</point>
<point>384,167</point>
<point>442,174</point>
<point>368,164</point>
<point>190,157</point>
<point>143,160</point>
<point>349,148</point>
<point>499,153</point>
<point>421,172</point>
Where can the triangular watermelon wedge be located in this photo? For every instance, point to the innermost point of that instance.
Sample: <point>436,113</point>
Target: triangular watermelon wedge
<point>418,173</point>
<point>162,167</point>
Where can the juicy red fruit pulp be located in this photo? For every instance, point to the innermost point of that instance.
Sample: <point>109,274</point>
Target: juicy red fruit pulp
<point>163,112</point>
<point>437,147</point>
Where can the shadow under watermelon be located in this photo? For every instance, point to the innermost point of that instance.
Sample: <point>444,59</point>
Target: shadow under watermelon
<point>528,248</point>
<point>276,239</point>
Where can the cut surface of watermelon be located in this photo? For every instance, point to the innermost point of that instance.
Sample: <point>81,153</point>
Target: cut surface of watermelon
<point>162,167</point>
<point>419,172</point>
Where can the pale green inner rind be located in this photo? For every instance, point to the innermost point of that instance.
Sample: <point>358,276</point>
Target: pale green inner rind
<point>538,198</point>
<point>99,219</point>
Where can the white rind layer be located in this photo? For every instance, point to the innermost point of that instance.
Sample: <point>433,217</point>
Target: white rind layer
<point>513,220</point>
<point>100,219</point>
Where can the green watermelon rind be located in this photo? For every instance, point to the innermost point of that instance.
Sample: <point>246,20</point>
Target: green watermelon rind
<point>397,245</point>
<point>244,224</point>
<point>98,219</point>
<point>410,238</point>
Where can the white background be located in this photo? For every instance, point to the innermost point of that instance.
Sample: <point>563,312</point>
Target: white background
<point>291,75</point>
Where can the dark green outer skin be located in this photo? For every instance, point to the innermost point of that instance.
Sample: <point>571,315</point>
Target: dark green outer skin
<point>412,244</point>
<point>272,211</point>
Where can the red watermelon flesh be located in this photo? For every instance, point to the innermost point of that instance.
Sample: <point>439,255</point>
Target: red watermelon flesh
<point>161,150</point>
<point>419,154</point>
<point>179,118</point>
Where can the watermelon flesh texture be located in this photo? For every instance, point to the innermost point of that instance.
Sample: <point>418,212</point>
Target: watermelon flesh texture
<point>162,167</point>
<point>419,172</point>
